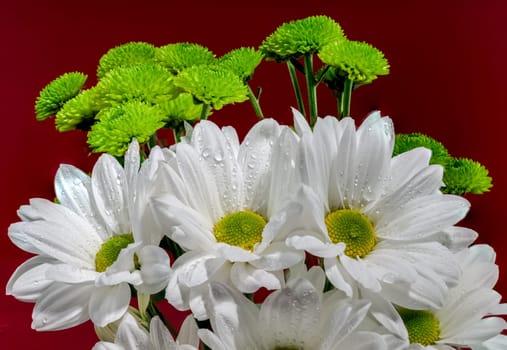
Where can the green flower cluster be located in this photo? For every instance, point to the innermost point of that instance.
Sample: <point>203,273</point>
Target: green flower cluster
<point>141,89</point>
<point>461,175</point>
<point>346,64</point>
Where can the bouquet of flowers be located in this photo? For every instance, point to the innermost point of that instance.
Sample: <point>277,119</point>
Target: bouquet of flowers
<point>320,235</point>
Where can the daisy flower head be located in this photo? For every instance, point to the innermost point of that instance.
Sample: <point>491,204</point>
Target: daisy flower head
<point>88,248</point>
<point>378,223</point>
<point>225,208</point>
<point>299,316</point>
<point>467,318</point>
<point>131,336</point>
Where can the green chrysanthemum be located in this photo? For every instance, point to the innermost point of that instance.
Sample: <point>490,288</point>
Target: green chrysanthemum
<point>211,85</point>
<point>150,83</point>
<point>182,107</point>
<point>466,176</point>
<point>78,112</point>
<point>118,125</point>
<point>242,62</point>
<point>406,142</point>
<point>179,56</point>
<point>358,61</point>
<point>57,92</point>
<point>296,38</point>
<point>125,55</point>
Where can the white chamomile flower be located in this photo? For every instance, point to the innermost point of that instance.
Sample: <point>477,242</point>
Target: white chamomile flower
<point>466,319</point>
<point>225,208</point>
<point>379,223</point>
<point>296,317</point>
<point>131,336</point>
<point>87,247</point>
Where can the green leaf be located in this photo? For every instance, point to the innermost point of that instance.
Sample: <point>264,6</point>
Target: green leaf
<point>118,125</point>
<point>179,56</point>
<point>296,38</point>
<point>57,92</point>
<point>125,55</point>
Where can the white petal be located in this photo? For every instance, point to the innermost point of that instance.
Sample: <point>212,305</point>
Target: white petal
<point>278,256</point>
<point>110,193</point>
<point>336,276</point>
<point>108,304</point>
<point>204,196</point>
<point>218,158</point>
<point>482,331</point>
<point>160,336</point>
<point>62,306</point>
<point>233,253</point>
<point>212,340</point>
<point>422,217</point>
<point>406,165</point>
<point>68,244</point>
<point>70,274</point>
<point>131,336</point>
<point>107,346</point>
<point>363,341</point>
<point>73,189</point>
<point>361,273</point>
<point>300,123</point>
<point>190,229</point>
<point>254,158</point>
<point>194,268</point>
<point>29,280</point>
<point>188,332</point>
<point>345,317</point>
<point>132,164</point>
<point>315,246</point>
<point>291,316</point>
<point>155,269</point>
<point>249,279</point>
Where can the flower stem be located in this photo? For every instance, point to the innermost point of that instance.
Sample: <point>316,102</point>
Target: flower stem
<point>205,111</point>
<point>311,88</point>
<point>295,85</point>
<point>345,98</point>
<point>255,102</point>
<point>154,311</point>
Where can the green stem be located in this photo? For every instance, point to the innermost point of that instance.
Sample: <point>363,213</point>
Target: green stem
<point>311,88</point>
<point>255,102</point>
<point>295,85</point>
<point>345,98</point>
<point>154,311</point>
<point>205,111</point>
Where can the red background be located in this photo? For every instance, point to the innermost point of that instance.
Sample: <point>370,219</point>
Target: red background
<point>448,73</point>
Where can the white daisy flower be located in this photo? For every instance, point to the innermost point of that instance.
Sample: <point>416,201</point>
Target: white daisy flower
<point>131,336</point>
<point>87,247</point>
<point>225,208</point>
<point>465,319</point>
<point>295,317</point>
<point>378,222</point>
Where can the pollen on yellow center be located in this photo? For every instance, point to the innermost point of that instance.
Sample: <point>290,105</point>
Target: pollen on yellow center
<point>110,250</point>
<point>352,228</point>
<point>422,326</point>
<point>241,229</point>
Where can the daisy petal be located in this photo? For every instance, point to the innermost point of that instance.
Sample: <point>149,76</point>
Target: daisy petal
<point>29,280</point>
<point>108,304</point>
<point>248,279</point>
<point>110,193</point>
<point>62,306</point>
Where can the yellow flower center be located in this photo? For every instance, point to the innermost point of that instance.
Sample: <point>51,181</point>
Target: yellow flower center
<point>241,229</point>
<point>352,228</point>
<point>422,326</point>
<point>110,250</point>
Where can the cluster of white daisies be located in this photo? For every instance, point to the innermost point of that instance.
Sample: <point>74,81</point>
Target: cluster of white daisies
<point>391,270</point>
